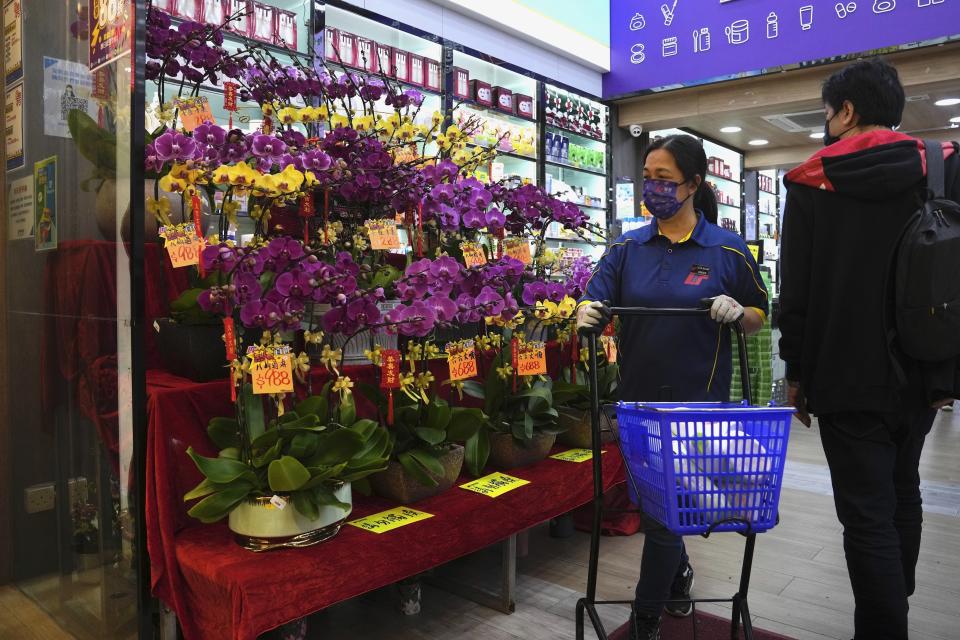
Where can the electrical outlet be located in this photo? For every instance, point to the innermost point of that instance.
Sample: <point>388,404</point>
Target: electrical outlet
<point>40,497</point>
<point>77,491</point>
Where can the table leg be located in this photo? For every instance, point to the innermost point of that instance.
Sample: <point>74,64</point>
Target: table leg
<point>502,601</point>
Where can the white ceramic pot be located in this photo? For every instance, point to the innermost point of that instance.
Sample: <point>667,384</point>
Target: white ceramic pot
<point>258,525</point>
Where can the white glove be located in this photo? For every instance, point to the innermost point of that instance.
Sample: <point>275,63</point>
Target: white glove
<point>594,316</point>
<point>726,310</point>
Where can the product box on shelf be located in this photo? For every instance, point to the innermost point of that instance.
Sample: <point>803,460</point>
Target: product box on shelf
<point>188,9</point>
<point>330,44</point>
<point>417,70</point>
<point>367,55</point>
<point>548,145</point>
<point>215,12</point>
<point>244,10</point>
<point>401,65</point>
<point>432,79</point>
<point>347,48</point>
<point>385,59</point>
<point>564,149</point>
<point>286,35</point>
<point>727,171</point>
<point>461,83</point>
<point>264,23</point>
<point>481,92</point>
<point>524,105</point>
<point>504,99</point>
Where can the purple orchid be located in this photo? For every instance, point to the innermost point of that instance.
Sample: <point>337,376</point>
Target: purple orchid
<point>215,301</point>
<point>474,219</point>
<point>220,257</point>
<point>316,161</point>
<point>468,310</point>
<point>495,219</point>
<point>363,312</point>
<point>175,146</point>
<point>416,320</point>
<point>246,287</point>
<point>268,148</point>
<point>443,307</point>
<point>510,308</point>
<point>260,314</point>
<point>491,301</point>
<point>533,293</point>
<point>295,284</point>
<point>555,292</point>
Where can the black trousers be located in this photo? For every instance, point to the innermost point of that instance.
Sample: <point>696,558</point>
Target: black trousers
<point>874,460</point>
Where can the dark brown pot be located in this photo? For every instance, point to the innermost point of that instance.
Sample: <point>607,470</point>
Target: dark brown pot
<point>578,432</point>
<point>195,352</point>
<point>508,453</point>
<point>395,484</point>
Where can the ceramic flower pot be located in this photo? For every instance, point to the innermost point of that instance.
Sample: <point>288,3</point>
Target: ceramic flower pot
<point>508,453</point>
<point>192,351</point>
<point>258,525</point>
<point>579,432</point>
<point>396,484</point>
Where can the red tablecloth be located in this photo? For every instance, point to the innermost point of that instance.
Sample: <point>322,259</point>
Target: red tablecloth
<point>219,590</point>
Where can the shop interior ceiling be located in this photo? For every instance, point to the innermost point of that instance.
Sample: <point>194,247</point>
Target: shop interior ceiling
<point>785,109</point>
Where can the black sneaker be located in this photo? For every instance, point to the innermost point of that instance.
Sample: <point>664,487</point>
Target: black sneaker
<point>680,590</point>
<point>644,628</point>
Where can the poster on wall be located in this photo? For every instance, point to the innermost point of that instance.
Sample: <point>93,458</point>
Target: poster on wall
<point>45,204</point>
<point>20,208</point>
<point>66,86</point>
<point>750,229</point>
<point>13,39</point>
<point>109,31</point>
<point>13,121</point>
<point>625,204</point>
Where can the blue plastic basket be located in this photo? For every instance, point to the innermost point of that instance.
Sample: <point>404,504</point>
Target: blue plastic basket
<point>703,467</point>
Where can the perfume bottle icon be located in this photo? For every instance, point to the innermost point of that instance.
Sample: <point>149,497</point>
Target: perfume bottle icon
<point>701,40</point>
<point>773,25</point>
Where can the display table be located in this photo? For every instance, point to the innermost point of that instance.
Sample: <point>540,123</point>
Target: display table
<point>219,590</point>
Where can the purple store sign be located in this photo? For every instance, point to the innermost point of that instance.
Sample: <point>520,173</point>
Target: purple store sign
<point>663,43</point>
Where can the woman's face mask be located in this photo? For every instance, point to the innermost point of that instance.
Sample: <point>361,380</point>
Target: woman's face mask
<point>660,198</point>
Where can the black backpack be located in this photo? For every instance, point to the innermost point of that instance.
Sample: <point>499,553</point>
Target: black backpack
<point>927,272</point>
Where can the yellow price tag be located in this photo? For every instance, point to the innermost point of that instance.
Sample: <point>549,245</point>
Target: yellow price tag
<point>494,485</point>
<point>574,455</point>
<point>518,249</point>
<point>383,234</point>
<point>270,370</point>
<point>462,359</point>
<point>194,112</point>
<point>389,520</point>
<point>473,255</point>
<point>532,359</point>
<point>182,244</point>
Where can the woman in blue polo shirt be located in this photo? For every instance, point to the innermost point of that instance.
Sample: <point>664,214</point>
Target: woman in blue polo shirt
<point>677,261</point>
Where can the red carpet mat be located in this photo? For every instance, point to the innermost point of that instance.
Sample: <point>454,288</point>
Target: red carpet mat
<point>709,627</point>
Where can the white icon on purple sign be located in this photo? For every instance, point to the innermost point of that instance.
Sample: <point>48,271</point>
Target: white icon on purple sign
<point>701,40</point>
<point>773,26</point>
<point>637,54</point>
<point>927,3</point>
<point>637,22</point>
<point>844,10</point>
<point>806,17</point>
<point>738,32</point>
<point>668,13</point>
<point>884,6</point>
<point>670,46</point>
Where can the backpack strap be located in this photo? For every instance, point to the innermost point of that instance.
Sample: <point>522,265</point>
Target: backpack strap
<point>935,167</point>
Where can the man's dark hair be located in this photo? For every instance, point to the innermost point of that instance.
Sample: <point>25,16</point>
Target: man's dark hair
<point>873,87</point>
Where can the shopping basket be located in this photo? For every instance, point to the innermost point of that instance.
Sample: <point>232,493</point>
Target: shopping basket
<point>705,467</point>
<point>697,468</point>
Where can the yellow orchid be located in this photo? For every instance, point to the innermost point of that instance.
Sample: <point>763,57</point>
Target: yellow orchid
<point>310,179</point>
<point>548,257</point>
<point>173,185</point>
<point>566,308</point>
<point>230,209</point>
<point>454,132</point>
<point>505,372</point>
<point>165,113</point>
<point>443,142</point>
<point>375,355</point>
<point>289,115</point>
<point>436,119</point>
<point>360,242</point>
<point>338,121</point>
<point>330,358</point>
<point>385,128</point>
<point>395,120</point>
<point>315,338</point>
<point>289,180</point>
<point>269,110</point>
<point>406,132</point>
<point>363,123</point>
<point>160,208</point>
<point>238,370</point>
<point>239,175</point>
<point>323,113</point>
<point>343,386</point>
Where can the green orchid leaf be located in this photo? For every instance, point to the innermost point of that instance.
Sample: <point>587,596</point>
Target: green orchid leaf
<point>230,453</point>
<point>429,460</point>
<point>528,427</point>
<point>416,470</point>
<point>265,440</point>
<point>224,432</point>
<point>303,445</point>
<point>348,410</point>
<point>218,505</point>
<point>464,423</point>
<point>320,475</point>
<point>325,498</point>
<point>268,456</point>
<point>287,474</point>
<point>205,488</point>
<point>365,429</point>
<point>474,389</point>
<point>431,436</point>
<point>253,412</point>
<point>438,415</point>
<point>221,470</point>
<point>306,504</point>
<point>477,452</point>
<point>337,446</point>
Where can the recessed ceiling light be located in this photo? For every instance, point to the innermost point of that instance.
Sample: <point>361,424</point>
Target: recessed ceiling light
<point>817,135</point>
<point>947,102</point>
<point>731,130</point>
<point>957,119</point>
<point>759,142</point>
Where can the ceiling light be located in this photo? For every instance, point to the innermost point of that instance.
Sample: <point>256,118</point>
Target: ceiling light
<point>956,120</point>
<point>947,102</point>
<point>816,136</point>
<point>731,130</point>
<point>759,142</point>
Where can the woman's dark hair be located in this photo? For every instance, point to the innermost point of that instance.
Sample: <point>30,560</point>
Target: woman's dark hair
<point>873,87</point>
<point>691,159</point>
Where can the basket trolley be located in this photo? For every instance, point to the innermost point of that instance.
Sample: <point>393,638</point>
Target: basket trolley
<point>696,468</point>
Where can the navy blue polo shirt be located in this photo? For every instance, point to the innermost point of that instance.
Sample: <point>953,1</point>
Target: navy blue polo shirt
<point>674,358</point>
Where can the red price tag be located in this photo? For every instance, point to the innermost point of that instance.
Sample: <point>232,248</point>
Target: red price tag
<point>230,339</point>
<point>532,359</point>
<point>271,371</point>
<point>383,234</point>
<point>182,245</point>
<point>473,255</point>
<point>230,96</point>
<point>462,360</point>
<point>390,369</point>
<point>518,249</point>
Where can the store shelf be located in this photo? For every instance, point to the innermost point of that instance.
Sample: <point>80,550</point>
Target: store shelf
<point>716,177</point>
<point>230,37</point>
<point>341,70</point>
<point>730,206</point>
<point>476,106</point>
<point>501,153</point>
<point>573,168</point>
<point>769,193</point>
<point>576,133</point>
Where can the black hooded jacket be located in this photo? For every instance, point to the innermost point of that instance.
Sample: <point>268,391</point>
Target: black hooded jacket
<point>846,209</point>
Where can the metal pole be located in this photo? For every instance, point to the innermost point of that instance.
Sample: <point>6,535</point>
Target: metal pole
<point>597,472</point>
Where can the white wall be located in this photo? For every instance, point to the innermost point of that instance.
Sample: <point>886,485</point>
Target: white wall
<point>433,17</point>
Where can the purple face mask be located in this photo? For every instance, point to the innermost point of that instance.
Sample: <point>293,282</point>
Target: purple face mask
<point>660,197</point>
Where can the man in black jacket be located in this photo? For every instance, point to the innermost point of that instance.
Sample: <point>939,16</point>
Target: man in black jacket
<point>846,208</point>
